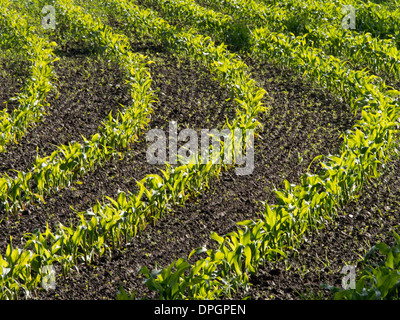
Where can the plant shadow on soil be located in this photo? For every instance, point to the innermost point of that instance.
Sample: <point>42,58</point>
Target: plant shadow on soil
<point>14,72</point>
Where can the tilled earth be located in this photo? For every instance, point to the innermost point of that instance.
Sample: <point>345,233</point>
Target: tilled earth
<point>301,123</point>
<point>88,90</point>
<point>186,94</point>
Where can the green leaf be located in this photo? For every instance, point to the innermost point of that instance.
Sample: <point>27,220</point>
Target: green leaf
<point>217,238</point>
<point>247,253</point>
<point>122,295</point>
<point>15,256</point>
<point>197,251</point>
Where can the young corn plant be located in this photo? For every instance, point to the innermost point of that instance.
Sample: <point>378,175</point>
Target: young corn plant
<point>17,34</point>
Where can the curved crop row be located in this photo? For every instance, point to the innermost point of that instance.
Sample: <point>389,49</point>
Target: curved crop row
<point>106,225</point>
<point>66,164</point>
<point>246,248</point>
<point>17,34</point>
<point>303,207</point>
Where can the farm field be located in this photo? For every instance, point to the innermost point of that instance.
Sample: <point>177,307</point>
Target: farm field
<point>85,215</point>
